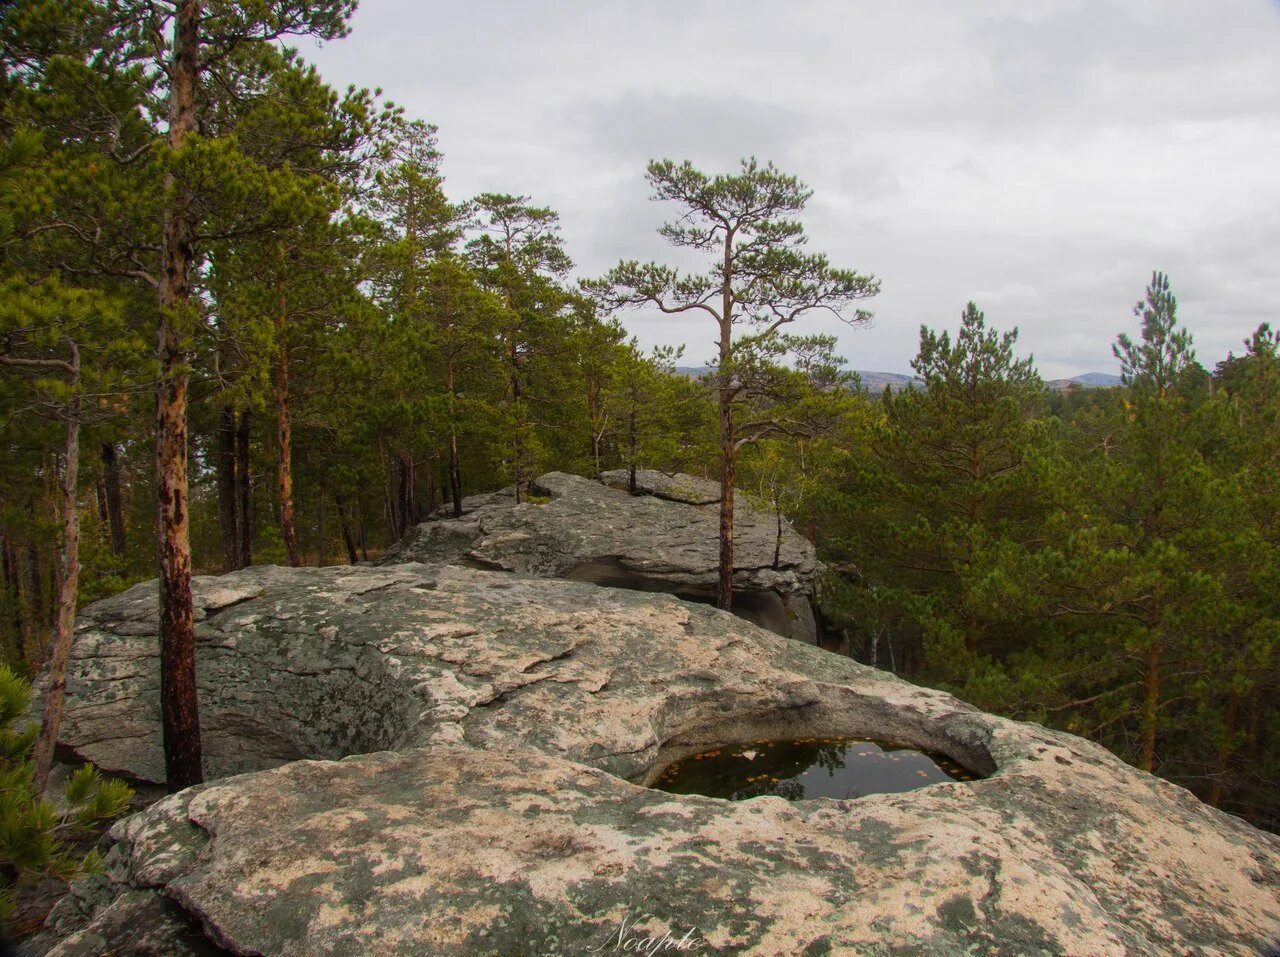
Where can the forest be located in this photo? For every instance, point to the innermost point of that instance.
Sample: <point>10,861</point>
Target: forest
<point>243,320</point>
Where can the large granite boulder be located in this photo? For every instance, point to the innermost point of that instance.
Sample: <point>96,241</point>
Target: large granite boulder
<point>513,724</point>
<point>665,538</point>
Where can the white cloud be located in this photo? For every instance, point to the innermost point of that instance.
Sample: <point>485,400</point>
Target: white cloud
<point>1039,156</point>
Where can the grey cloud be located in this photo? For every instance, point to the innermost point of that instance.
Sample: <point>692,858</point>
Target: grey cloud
<point>708,130</point>
<point>1041,158</point>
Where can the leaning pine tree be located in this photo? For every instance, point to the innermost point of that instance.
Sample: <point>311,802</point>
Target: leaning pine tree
<point>760,278</point>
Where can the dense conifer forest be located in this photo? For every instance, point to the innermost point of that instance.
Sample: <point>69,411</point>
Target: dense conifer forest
<point>243,319</point>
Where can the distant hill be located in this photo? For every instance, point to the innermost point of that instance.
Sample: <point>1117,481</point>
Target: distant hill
<point>877,381</point>
<point>1089,380</point>
<point>692,372</point>
<point>871,381</point>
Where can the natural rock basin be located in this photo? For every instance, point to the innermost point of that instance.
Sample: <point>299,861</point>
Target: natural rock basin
<point>807,768</point>
<point>457,762</point>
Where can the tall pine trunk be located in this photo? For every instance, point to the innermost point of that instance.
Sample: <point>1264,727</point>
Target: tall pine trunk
<point>37,618</point>
<point>1150,703</point>
<point>517,411</point>
<point>13,592</point>
<point>455,468</point>
<point>1217,789</point>
<point>115,500</point>
<point>322,534</point>
<point>728,452</point>
<point>391,495</point>
<point>284,442</point>
<point>724,597</point>
<point>401,502</point>
<point>777,539</point>
<point>409,491</point>
<point>21,601</point>
<point>348,539</point>
<point>1253,728</point>
<point>633,443</point>
<point>68,585</point>
<point>593,416</point>
<point>100,494</point>
<point>455,475</point>
<point>228,494</point>
<point>179,703</point>
<point>244,481</point>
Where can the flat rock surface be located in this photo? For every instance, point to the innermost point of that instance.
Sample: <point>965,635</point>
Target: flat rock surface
<point>513,723</point>
<point>665,538</point>
<point>689,489</point>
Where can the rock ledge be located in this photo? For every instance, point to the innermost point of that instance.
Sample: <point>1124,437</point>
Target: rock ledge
<point>663,539</point>
<point>509,726</point>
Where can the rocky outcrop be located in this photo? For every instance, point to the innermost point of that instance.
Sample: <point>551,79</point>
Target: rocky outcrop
<point>512,724</point>
<point>299,663</point>
<point>663,539</point>
<point>686,489</point>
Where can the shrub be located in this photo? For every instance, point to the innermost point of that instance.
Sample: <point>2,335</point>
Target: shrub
<point>38,839</point>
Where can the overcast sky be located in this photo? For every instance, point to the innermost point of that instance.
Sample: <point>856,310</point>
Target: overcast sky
<point>1040,157</point>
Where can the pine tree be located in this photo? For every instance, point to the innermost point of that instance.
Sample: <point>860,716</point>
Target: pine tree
<point>73,344</point>
<point>201,38</point>
<point>759,276</point>
<point>1137,579</point>
<point>948,485</point>
<point>518,253</point>
<point>35,839</point>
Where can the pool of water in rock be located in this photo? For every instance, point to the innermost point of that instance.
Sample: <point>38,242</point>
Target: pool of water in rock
<point>808,768</point>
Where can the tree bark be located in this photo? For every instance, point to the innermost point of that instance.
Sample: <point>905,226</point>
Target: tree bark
<point>455,475</point>
<point>228,495</point>
<point>728,452</point>
<point>347,538</point>
<point>1150,703</point>
<point>100,495</point>
<point>322,532</point>
<point>411,488</point>
<point>178,695</point>
<point>431,494</point>
<point>631,453</point>
<point>517,411</point>
<point>244,479</point>
<point>115,500</point>
<point>455,468</point>
<point>35,585</point>
<point>593,416</point>
<point>284,444</point>
<point>53,592</point>
<point>392,497</point>
<point>13,590</point>
<point>68,585</point>
<point>724,597</point>
<point>406,508</point>
<point>1218,788</point>
<point>777,539</point>
<point>22,602</point>
<point>1253,733</point>
<point>7,564</point>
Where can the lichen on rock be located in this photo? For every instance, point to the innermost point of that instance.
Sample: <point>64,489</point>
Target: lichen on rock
<point>444,760</point>
<point>662,539</point>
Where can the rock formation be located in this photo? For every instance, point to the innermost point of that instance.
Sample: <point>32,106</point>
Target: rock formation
<point>502,730</point>
<point>662,539</point>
